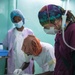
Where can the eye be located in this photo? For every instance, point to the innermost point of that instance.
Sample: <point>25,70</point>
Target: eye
<point>16,19</point>
<point>46,27</point>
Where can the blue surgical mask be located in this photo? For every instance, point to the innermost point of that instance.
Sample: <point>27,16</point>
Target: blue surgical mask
<point>19,24</point>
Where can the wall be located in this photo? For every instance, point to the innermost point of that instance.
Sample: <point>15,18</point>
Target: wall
<point>5,24</point>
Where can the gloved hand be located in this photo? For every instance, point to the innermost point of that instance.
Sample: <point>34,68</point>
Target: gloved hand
<point>17,72</point>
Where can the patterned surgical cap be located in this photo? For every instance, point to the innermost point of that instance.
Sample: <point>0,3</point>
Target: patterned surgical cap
<point>17,12</point>
<point>50,13</point>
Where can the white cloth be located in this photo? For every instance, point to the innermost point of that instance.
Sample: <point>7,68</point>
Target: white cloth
<point>46,59</point>
<point>19,57</point>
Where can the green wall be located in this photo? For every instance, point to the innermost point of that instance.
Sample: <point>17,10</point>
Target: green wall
<point>6,6</point>
<point>5,24</point>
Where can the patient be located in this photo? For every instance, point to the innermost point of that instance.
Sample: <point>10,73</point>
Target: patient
<point>42,53</point>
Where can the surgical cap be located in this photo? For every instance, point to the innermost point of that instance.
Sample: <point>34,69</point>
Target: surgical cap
<point>49,13</point>
<point>17,12</point>
<point>32,45</point>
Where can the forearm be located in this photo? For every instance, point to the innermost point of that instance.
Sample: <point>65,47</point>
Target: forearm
<point>24,65</point>
<point>46,73</point>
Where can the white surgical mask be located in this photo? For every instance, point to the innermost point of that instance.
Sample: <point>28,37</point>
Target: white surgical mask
<point>19,24</point>
<point>51,30</point>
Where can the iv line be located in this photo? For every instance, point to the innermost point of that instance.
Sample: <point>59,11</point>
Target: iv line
<point>63,25</point>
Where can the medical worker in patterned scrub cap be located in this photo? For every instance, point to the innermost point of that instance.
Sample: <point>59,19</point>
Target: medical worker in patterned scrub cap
<point>50,18</point>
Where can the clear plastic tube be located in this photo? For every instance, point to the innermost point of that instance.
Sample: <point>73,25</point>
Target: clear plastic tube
<point>63,26</point>
<point>65,41</point>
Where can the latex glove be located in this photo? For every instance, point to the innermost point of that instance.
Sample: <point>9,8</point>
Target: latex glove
<point>17,72</point>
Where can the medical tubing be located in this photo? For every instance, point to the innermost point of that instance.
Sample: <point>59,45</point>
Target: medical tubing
<point>67,7</point>
<point>65,41</point>
<point>63,26</point>
<point>63,21</point>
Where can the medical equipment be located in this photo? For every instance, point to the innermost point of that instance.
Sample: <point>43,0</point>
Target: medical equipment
<point>63,26</point>
<point>3,56</point>
<point>1,46</point>
<point>3,53</point>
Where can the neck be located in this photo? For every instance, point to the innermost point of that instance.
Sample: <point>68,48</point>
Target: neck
<point>67,23</point>
<point>20,29</point>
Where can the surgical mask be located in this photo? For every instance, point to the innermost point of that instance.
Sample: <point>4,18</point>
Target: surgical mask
<point>51,30</point>
<point>19,24</point>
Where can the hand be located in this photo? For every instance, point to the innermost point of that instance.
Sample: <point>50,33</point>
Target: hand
<point>17,71</point>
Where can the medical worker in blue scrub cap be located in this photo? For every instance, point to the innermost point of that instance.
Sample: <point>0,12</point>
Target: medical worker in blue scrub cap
<point>13,42</point>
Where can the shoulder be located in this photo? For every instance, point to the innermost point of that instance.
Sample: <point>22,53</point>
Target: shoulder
<point>48,50</point>
<point>28,29</point>
<point>71,27</point>
<point>47,46</point>
<point>70,31</point>
<point>11,30</point>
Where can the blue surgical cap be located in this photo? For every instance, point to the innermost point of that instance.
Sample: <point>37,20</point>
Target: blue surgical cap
<point>17,12</point>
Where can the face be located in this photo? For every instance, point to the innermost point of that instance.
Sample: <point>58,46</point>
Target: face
<point>17,19</point>
<point>26,50</point>
<point>56,24</point>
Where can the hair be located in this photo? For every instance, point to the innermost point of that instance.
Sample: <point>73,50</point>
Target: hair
<point>70,16</point>
<point>32,44</point>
